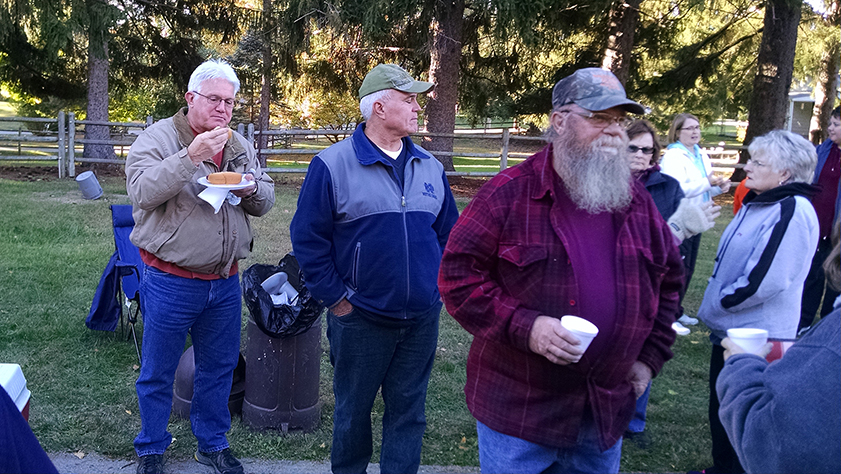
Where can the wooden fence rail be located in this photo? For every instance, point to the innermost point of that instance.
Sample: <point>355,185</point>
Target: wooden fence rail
<point>62,140</point>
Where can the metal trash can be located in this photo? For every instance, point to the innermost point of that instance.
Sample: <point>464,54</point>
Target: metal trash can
<point>281,380</point>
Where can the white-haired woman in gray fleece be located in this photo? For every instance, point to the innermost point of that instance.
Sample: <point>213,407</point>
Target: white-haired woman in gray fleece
<point>762,260</point>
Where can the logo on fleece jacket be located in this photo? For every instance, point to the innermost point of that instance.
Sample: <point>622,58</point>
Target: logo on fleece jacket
<point>429,191</point>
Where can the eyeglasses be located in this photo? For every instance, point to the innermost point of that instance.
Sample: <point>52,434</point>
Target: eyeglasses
<point>755,163</point>
<point>602,120</point>
<point>692,129</point>
<point>214,100</point>
<point>646,150</point>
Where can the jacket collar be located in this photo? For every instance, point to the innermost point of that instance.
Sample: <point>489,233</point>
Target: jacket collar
<point>649,174</point>
<point>367,153</point>
<point>694,153</point>
<point>233,152</point>
<point>780,192</point>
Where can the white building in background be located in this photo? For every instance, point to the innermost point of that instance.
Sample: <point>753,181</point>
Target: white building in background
<point>800,106</point>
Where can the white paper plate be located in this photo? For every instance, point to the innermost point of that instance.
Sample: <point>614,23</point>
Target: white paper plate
<point>231,187</point>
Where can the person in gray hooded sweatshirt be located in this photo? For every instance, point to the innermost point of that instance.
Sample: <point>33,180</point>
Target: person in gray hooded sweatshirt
<point>762,260</point>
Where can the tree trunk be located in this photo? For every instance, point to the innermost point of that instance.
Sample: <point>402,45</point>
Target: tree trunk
<point>826,85</point>
<point>98,68</point>
<point>624,16</point>
<point>266,82</point>
<point>444,73</point>
<point>769,101</point>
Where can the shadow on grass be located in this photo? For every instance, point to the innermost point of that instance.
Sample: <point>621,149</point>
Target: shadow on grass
<point>54,246</point>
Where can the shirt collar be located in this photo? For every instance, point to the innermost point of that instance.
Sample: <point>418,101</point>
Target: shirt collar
<point>545,172</point>
<point>367,153</point>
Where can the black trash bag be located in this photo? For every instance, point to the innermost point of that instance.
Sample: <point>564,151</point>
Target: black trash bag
<point>279,320</point>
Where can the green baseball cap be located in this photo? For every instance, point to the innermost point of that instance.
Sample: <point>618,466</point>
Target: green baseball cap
<point>392,76</point>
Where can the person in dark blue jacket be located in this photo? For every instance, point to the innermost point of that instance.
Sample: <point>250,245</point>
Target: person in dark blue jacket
<point>20,451</point>
<point>373,217</point>
<point>644,155</point>
<point>827,203</point>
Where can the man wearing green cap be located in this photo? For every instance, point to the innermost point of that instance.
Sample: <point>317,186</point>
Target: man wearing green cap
<point>374,215</point>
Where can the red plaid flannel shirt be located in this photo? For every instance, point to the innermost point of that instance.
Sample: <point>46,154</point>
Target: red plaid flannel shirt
<point>506,263</point>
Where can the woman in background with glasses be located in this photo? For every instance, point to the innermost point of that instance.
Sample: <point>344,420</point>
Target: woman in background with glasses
<point>684,218</point>
<point>644,154</point>
<point>686,162</point>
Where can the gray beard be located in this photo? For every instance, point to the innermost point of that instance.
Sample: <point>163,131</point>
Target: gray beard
<point>596,176</point>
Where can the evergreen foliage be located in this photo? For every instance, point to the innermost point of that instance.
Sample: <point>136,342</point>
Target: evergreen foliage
<point>689,55</point>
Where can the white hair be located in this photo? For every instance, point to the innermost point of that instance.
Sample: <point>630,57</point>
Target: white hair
<point>213,69</point>
<point>786,151</point>
<point>366,104</point>
<point>550,135</point>
<point>596,175</point>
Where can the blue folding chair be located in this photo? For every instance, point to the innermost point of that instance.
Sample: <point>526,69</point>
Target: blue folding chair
<point>120,282</point>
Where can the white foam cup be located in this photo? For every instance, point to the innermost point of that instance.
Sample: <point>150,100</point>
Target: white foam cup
<point>584,330</point>
<point>274,284</point>
<point>290,292</point>
<point>749,339</point>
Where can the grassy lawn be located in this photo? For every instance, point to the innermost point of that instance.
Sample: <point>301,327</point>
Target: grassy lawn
<point>6,110</point>
<point>53,247</point>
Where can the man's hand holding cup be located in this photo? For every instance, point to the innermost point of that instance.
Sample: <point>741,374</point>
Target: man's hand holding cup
<point>561,341</point>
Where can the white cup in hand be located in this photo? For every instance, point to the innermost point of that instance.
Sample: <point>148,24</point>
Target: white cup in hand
<point>584,330</point>
<point>749,339</point>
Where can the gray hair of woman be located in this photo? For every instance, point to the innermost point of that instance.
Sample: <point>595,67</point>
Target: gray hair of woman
<point>786,151</point>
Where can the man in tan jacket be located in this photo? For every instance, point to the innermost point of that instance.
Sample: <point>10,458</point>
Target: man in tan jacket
<point>190,250</point>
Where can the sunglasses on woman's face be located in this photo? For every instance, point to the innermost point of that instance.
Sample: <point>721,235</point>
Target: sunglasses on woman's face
<point>646,150</point>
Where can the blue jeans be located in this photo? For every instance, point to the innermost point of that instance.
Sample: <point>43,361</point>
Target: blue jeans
<point>365,357</point>
<point>212,312</point>
<point>637,424</point>
<point>500,453</point>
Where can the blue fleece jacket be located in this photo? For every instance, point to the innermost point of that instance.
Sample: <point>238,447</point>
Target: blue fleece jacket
<point>665,190</point>
<point>358,234</point>
<point>783,417</point>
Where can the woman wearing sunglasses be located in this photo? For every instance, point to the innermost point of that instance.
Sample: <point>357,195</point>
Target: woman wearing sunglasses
<point>685,218</point>
<point>644,154</point>
<point>685,161</point>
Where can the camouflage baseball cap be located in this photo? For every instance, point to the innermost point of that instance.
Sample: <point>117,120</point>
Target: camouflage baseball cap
<point>593,89</point>
<point>391,76</point>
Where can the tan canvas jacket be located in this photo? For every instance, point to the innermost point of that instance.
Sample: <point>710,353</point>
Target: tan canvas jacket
<point>171,221</point>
